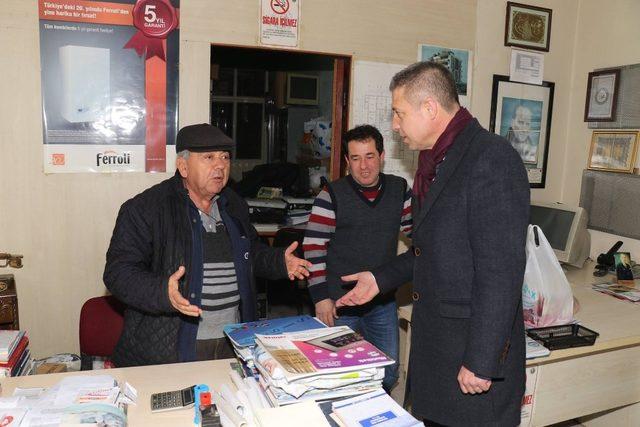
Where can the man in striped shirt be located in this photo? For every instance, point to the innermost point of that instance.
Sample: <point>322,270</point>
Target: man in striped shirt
<point>354,224</point>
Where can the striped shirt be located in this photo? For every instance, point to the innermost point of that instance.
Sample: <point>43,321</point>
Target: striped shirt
<point>323,223</point>
<point>220,296</point>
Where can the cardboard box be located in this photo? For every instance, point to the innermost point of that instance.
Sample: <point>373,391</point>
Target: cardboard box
<point>51,368</point>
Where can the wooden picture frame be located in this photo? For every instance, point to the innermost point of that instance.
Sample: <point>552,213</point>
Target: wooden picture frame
<point>602,95</point>
<point>613,151</point>
<point>521,113</point>
<point>527,26</point>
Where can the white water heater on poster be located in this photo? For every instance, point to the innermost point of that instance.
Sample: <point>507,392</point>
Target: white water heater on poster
<point>85,76</point>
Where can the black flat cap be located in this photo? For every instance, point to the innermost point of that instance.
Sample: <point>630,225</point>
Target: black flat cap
<point>201,138</point>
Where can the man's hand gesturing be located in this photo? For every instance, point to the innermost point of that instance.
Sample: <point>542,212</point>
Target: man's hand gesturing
<point>177,300</point>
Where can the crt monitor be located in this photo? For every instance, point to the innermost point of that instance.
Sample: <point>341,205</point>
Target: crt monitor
<point>565,227</point>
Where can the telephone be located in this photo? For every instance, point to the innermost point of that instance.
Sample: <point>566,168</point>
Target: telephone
<point>607,261</point>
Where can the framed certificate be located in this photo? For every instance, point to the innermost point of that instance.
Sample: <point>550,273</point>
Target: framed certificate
<point>602,96</point>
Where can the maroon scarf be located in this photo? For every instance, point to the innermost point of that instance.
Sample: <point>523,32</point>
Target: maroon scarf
<point>429,159</point>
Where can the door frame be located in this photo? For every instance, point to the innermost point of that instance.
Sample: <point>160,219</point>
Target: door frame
<point>340,109</point>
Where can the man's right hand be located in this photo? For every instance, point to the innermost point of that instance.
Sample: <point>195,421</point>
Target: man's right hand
<point>177,300</point>
<point>326,311</point>
<point>366,288</point>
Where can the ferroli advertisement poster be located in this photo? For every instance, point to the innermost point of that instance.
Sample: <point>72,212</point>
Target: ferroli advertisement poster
<point>109,73</point>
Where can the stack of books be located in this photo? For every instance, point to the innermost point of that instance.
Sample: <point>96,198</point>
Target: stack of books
<point>15,356</point>
<point>298,210</point>
<point>242,335</point>
<point>318,364</point>
<point>297,216</point>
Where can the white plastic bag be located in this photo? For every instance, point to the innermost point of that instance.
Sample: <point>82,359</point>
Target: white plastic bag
<point>547,298</point>
<point>320,129</point>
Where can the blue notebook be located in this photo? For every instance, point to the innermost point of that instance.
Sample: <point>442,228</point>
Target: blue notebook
<point>243,334</point>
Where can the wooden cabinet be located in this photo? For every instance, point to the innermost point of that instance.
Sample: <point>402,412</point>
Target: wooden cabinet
<point>8,302</point>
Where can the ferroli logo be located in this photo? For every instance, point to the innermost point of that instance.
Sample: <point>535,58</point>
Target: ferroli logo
<point>113,158</point>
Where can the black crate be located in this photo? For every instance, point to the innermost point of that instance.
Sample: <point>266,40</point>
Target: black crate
<point>563,336</point>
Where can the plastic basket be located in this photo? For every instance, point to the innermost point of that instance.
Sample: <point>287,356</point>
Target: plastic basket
<point>563,336</point>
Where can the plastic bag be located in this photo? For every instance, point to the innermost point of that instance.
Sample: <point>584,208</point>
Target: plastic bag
<point>547,298</point>
<point>320,141</point>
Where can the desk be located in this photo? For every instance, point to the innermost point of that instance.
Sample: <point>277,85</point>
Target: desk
<point>146,380</point>
<point>599,384</point>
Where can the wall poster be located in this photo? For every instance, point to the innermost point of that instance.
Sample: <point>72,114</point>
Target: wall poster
<point>372,105</point>
<point>109,74</point>
<point>458,61</point>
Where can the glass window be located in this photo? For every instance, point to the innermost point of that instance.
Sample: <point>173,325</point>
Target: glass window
<point>222,116</point>
<point>249,131</point>
<point>251,83</point>
<point>223,85</point>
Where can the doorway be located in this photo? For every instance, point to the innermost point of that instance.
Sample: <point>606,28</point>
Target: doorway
<point>262,98</point>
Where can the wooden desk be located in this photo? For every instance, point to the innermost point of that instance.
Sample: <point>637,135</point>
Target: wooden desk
<point>146,380</point>
<point>599,384</point>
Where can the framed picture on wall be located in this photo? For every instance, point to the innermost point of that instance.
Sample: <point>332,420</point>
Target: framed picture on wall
<point>521,113</point>
<point>602,96</point>
<point>527,26</point>
<point>458,61</point>
<point>613,151</point>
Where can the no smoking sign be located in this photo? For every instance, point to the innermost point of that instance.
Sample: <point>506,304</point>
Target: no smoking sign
<point>280,6</point>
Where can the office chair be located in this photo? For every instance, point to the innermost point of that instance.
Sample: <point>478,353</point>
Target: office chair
<point>101,322</point>
<point>300,295</point>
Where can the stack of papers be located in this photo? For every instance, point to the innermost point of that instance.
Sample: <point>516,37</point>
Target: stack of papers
<point>373,409</point>
<point>623,292</point>
<point>297,216</point>
<point>15,356</point>
<point>242,335</point>
<point>73,401</point>
<point>535,349</point>
<point>318,364</point>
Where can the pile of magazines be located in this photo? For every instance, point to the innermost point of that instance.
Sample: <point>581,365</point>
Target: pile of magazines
<point>243,335</point>
<point>318,363</point>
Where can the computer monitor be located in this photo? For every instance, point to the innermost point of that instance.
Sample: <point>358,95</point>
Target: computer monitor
<point>565,227</point>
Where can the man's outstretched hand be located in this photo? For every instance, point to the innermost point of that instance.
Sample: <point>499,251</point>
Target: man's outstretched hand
<point>179,302</point>
<point>366,288</point>
<point>297,268</point>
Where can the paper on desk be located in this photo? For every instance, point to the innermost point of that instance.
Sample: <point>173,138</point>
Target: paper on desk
<point>84,389</point>
<point>10,402</point>
<point>306,413</point>
<point>227,411</point>
<point>11,417</point>
<point>129,395</point>
<point>231,398</point>
<point>374,408</point>
<point>29,393</point>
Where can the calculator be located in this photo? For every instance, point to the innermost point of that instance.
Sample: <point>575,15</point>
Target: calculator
<point>169,400</point>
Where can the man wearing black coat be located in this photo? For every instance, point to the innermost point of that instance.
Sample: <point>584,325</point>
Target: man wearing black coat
<point>183,257</point>
<point>471,209</point>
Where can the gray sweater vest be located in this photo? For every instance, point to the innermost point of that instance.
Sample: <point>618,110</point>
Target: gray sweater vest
<point>366,234</point>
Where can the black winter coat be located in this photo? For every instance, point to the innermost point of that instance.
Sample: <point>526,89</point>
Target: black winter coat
<point>151,239</point>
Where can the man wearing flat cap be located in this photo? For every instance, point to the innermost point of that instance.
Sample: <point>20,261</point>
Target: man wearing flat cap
<point>183,257</point>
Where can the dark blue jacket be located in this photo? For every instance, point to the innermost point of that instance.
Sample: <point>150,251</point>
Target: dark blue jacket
<point>156,232</point>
